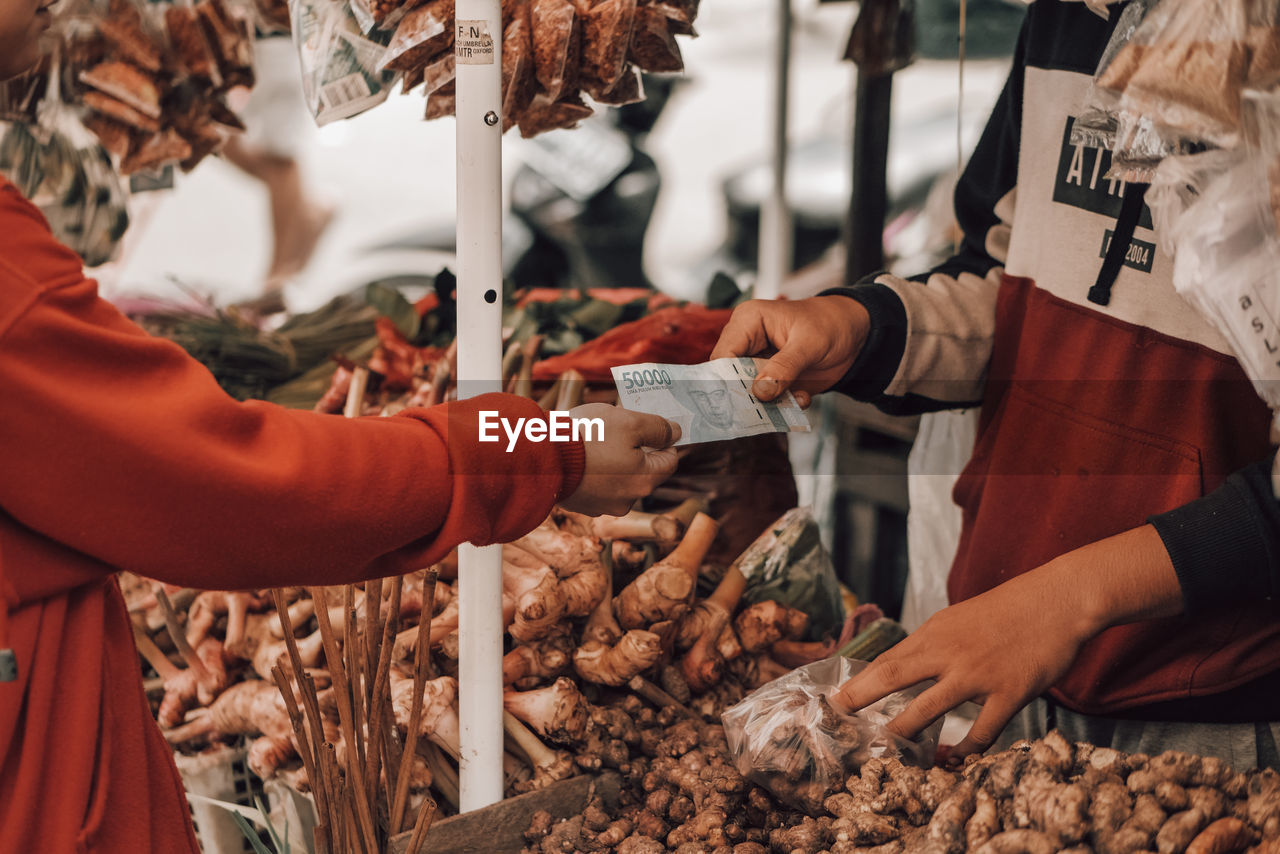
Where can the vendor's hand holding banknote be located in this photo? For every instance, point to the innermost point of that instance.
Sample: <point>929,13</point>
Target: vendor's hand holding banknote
<point>711,401</point>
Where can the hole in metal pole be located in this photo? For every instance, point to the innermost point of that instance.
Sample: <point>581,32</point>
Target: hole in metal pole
<point>491,118</point>
<point>491,296</point>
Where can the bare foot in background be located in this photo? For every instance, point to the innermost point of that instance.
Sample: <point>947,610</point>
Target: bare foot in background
<point>297,221</point>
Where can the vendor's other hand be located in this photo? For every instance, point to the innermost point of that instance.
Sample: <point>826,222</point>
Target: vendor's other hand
<point>633,458</point>
<point>810,343</point>
<point>1002,649</point>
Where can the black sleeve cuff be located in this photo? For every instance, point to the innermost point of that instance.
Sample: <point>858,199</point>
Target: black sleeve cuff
<point>878,361</point>
<point>1224,546</point>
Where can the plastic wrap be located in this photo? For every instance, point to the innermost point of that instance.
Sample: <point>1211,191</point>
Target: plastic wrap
<point>64,171</point>
<point>190,44</point>
<point>788,564</point>
<point>788,737</point>
<point>518,80</point>
<point>653,44</point>
<point>381,14</point>
<point>1185,68</point>
<point>1220,215</point>
<point>340,64</point>
<point>606,35</point>
<point>557,46</point>
<point>421,37</point>
<point>1095,126</point>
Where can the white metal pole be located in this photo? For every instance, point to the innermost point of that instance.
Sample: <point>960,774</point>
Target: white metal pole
<point>478,50</point>
<point>774,263</point>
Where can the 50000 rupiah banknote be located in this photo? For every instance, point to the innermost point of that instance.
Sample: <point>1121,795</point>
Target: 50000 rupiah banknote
<point>710,401</point>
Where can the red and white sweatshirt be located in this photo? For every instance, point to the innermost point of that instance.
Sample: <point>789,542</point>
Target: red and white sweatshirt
<point>119,451</point>
<point>1099,413</point>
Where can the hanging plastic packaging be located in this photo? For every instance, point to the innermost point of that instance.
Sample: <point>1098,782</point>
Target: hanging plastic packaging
<point>788,564</point>
<point>1220,216</point>
<point>1187,65</point>
<point>340,64</point>
<point>788,737</point>
<point>61,167</point>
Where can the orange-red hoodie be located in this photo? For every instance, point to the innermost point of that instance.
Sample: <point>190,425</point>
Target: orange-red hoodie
<point>118,451</point>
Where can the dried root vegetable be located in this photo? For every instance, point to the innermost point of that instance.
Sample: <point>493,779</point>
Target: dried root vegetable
<point>539,605</point>
<point>696,623</point>
<point>200,683</point>
<point>761,625</point>
<point>244,708</point>
<point>212,604</point>
<point>609,656</point>
<point>703,665</point>
<point>636,526</point>
<point>438,718</point>
<point>576,560</point>
<point>533,662</point>
<point>557,712</point>
<point>663,591</point>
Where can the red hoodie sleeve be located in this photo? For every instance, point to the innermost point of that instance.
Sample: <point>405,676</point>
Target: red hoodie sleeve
<point>123,447</point>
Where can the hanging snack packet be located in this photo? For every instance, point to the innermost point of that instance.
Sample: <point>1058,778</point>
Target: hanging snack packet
<point>120,112</point>
<point>557,46</point>
<point>20,95</point>
<point>272,16</point>
<point>380,14</point>
<point>518,79</point>
<point>231,40</point>
<point>679,16</point>
<point>1263,40</point>
<point>126,83</point>
<point>1190,59</point>
<point>64,171</point>
<point>440,73</point>
<point>653,44</point>
<point>627,89</point>
<point>422,35</point>
<point>128,35</point>
<point>442,102</point>
<point>340,64</point>
<point>606,36</point>
<point>1095,126</point>
<point>543,115</point>
<point>190,44</point>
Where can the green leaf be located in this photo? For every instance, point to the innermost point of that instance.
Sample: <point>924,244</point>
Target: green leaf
<point>250,834</point>
<point>723,292</point>
<point>392,305</point>
<point>596,316</point>
<point>280,844</point>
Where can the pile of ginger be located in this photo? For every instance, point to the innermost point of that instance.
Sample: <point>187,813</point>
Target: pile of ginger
<point>592,606</point>
<point>682,794</point>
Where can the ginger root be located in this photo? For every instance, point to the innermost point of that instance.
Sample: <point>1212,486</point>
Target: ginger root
<point>662,591</point>
<point>558,712</point>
